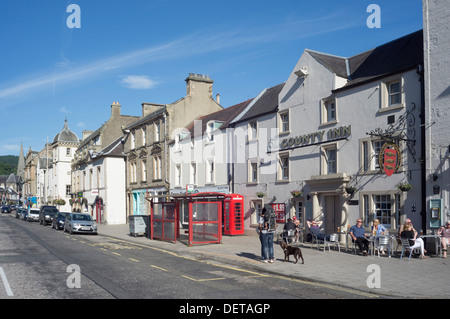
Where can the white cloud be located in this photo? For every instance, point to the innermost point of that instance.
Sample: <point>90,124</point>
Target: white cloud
<point>138,82</point>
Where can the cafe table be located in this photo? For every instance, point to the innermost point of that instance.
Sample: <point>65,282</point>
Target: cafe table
<point>437,242</point>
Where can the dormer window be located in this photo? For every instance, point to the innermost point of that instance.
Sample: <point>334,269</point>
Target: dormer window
<point>211,127</point>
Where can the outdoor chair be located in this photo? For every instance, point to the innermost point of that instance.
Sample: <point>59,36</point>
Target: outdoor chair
<point>383,241</point>
<point>316,241</point>
<point>288,236</point>
<point>334,240</point>
<point>406,246</point>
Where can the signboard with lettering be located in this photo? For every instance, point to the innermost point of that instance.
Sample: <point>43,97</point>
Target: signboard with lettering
<point>280,212</point>
<point>333,134</point>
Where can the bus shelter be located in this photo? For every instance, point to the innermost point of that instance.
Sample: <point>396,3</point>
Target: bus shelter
<point>205,217</point>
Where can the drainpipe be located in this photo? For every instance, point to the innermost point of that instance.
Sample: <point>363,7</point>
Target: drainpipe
<point>423,166</point>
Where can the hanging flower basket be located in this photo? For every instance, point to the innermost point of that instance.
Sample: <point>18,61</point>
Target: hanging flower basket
<point>260,195</point>
<point>296,194</point>
<point>350,190</point>
<point>404,187</point>
<point>60,202</point>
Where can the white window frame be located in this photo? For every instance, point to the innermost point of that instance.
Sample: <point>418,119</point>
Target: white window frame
<point>144,170</point>
<point>386,94</point>
<point>178,175</point>
<point>157,131</point>
<point>370,155</point>
<point>253,171</point>
<point>284,127</point>
<point>133,140</point>
<point>157,167</point>
<point>144,136</point>
<point>325,161</point>
<point>253,130</point>
<point>281,173</point>
<point>193,173</point>
<point>210,171</point>
<point>326,111</point>
<point>387,201</point>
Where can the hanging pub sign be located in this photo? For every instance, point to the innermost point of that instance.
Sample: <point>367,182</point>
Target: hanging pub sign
<point>389,158</point>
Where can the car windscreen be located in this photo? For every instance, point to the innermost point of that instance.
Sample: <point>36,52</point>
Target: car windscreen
<point>50,211</point>
<point>82,217</point>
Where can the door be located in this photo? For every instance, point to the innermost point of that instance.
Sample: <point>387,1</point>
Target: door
<point>164,221</point>
<point>332,213</point>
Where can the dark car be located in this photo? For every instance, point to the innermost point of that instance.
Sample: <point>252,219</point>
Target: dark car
<point>23,215</point>
<point>6,209</point>
<point>46,214</point>
<point>19,211</point>
<point>58,220</point>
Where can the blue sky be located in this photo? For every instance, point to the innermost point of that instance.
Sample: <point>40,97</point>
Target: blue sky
<point>139,51</point>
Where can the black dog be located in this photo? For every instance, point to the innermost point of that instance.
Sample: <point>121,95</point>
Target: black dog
<point>289,250</point>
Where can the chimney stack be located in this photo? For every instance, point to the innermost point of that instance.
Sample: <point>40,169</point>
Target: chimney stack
<point>115,109</point>
<point>198,84</point>
<point>148,108</point>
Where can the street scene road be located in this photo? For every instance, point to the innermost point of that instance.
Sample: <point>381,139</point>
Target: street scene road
<point>39,263</point>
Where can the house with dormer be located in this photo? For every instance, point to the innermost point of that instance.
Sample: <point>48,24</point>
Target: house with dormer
<point>98,170</point>
<point>147,141</point>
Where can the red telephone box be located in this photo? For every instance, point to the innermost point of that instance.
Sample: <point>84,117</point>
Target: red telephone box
<point>233,214</point>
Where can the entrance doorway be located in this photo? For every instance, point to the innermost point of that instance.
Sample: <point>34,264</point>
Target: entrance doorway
<point>332,213</point>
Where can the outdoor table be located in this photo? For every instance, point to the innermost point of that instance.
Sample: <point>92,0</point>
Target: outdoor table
<point>437,242</point>
<point>390,245</point>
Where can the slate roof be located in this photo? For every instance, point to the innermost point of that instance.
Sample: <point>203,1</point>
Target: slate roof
<point>226,116</point>
<point>66,135</point>
<point>114,149</point>
<point>266,102</point>
<point>394,57</point>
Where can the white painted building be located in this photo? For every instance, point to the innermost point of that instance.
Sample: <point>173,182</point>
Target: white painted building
<point>333,117</point>
<point>199,155</point>
<point>436,15</point>
<point>61,153</point>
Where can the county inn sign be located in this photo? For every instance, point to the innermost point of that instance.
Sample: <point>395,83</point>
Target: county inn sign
<point>334,134</point>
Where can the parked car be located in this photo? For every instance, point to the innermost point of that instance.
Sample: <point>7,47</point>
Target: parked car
<point>18,211</point>
<point>80,223</point>
<point>23,215</point>
<point>32,215</point>
<point>6,209</point>
<point>46,214</point>
<point>58,220</point>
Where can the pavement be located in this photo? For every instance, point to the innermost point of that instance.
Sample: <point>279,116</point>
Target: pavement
<point>381,276</point>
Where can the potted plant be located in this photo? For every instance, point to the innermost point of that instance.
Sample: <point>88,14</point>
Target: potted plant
<point>350,190</point>
<point>296,193</point>
<point>59,202</point>
<point>404,186</point>
<point>260,194</point>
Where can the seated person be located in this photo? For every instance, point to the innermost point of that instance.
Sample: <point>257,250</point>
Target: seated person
<point>358,236</point>
<point>314,227</point>
<point>378,230</point>
<point>297,229</point>
<point>444,232</point>
<point>288,226</point>
<point>414,242</point>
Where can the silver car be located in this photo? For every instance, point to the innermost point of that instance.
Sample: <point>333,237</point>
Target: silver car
<point>80,223</point>
<point>33,214</point>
